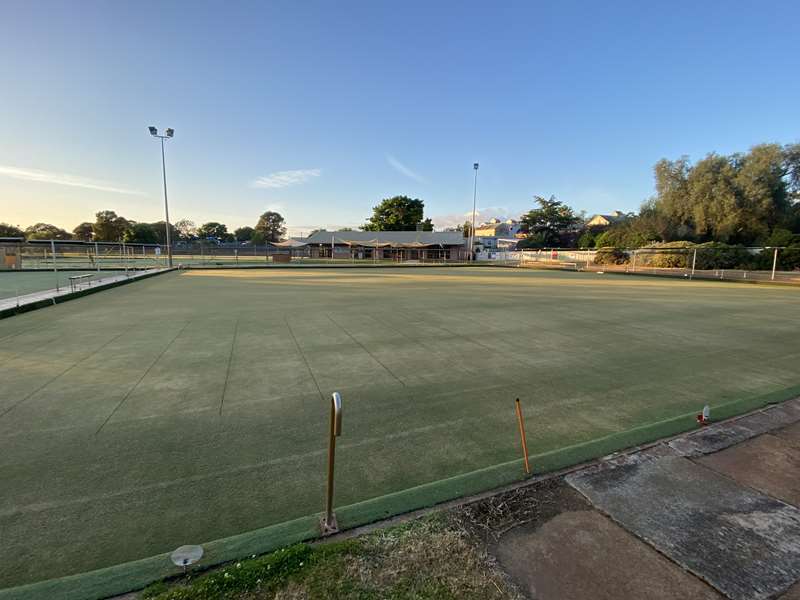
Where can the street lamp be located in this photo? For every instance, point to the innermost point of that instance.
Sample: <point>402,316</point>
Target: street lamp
<point>167,134</point>
<point>474,200</point>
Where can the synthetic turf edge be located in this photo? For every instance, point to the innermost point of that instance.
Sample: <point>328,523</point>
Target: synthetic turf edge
<point>18,310</point>
<point>134,575</point>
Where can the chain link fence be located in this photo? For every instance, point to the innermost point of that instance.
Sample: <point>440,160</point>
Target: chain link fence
<point>731,263</point>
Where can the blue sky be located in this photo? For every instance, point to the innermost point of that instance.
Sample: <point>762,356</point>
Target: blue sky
<point>320,109</point>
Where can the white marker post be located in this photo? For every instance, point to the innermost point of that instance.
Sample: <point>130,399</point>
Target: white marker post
<point>55,268</point>
<point>774,264</point>
<point>328,524</point>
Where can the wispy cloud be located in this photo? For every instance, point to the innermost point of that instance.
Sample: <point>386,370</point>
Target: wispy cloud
<point>401,168</point>
<point>64,179</point>
<point>282,179</point>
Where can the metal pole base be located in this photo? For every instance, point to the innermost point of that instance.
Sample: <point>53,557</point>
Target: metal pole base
<point>328,526</point>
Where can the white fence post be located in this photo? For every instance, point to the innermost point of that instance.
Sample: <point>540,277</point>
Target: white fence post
<point>774,264</point>
<point>55,268</point>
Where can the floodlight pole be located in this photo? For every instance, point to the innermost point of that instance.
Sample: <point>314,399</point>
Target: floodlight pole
<point>328,524</point>
<point>474,205</point>
<point>169,134</point>
<point>166,204</point>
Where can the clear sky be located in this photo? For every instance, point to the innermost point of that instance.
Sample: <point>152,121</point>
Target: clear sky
<point>320,109</point>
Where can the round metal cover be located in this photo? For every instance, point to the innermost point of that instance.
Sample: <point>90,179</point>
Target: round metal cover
<point>186,555</point>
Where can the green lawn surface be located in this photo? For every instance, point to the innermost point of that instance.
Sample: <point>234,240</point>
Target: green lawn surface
<point>14,283</point>
<point>194,405</point>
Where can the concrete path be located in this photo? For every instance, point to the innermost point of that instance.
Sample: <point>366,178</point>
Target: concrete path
<point>65,292</point>
<point>712,514</point>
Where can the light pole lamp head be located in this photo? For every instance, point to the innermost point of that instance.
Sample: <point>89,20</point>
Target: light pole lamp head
<point>170,132</point>
<point>475,166</point>
<point>153,130</point>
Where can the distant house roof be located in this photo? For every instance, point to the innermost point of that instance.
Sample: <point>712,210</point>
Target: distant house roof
<point>290,243</point>
<point>610,219</point>
<point>409,239</point>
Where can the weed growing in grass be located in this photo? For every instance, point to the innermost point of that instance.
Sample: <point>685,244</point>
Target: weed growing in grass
<point>430,558</point>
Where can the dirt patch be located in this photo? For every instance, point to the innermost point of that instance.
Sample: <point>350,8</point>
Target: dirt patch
<point>533,505</point>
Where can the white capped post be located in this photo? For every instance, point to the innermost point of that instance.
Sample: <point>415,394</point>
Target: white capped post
<point>328,524</point>
<point>774,264</point>
<point>55,268</point>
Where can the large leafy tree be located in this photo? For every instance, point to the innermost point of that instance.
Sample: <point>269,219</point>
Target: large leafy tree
<point>399,213</point>
<point>213,230</point>
<point>109,226</point>
<point>270,228</point>
<point>84,231</point>
<point>186,229</point>
<point>548,223</point>
<point>159,227</point>
<point>8,230</point>
<point>737,198</point>
<point>243,234</point>
<point>142,233</point>
<point>46,231</point>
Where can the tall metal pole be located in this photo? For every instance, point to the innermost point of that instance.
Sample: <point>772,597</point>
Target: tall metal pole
<point>166,204</point>
<point>474,204</point>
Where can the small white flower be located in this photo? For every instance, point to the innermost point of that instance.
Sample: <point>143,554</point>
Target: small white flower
<point>238,565</point>
<point>227,575</point>
<point>301,564</point>
<point>258,581</point>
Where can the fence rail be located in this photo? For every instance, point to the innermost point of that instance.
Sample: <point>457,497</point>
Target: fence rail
<point>90,256</point>
<point>702,262</point>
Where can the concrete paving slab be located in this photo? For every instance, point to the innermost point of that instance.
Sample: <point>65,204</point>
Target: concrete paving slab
<point>790,435</point>
<point>766,420</point>
<point>792,594</point>
<point>719,436</point>
<point>766,463</point>
<point>746,544</point>
<point>584,555</point>
<point>711,439</point>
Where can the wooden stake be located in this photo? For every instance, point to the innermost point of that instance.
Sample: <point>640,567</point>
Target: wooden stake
<point>522,437</point>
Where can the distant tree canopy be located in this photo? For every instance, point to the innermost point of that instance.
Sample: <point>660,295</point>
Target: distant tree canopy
<point>270,228</point>
<point>160,229</point>
<point>399,213</point>
<point>213,230</point>
<point>548,224</point>
<point>45,231</point>
<point>243,234</point>
<point>83,232</point>
<point>742,198</point>
<point>142,233</point>
<point>109,227</point>
<point>8,230</point>
<point>186,229</point>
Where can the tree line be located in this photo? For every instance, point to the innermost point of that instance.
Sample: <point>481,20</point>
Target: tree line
<point>750,198</point>
<point>744,199</point>
<point>108,226</point>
